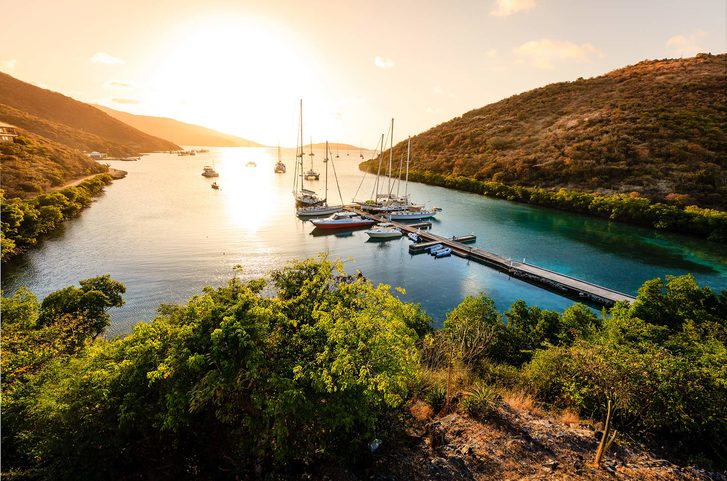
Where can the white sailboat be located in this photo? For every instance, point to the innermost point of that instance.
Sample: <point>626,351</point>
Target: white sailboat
<point>279,165</point>
<point>323,208</point>
<point>311,174</point>
<point>303,197</point>
<point>411,211</point>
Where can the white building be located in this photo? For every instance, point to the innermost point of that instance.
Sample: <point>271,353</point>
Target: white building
<point>7,132</point>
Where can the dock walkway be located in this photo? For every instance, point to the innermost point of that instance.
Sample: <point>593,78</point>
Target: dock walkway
<point>554,281</point>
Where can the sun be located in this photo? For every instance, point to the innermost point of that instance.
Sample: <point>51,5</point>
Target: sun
<point>232,73</point>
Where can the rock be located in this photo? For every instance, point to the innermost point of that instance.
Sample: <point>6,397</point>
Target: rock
<point>466,450</point>
<point>435,435</point>
<point>552,465</point>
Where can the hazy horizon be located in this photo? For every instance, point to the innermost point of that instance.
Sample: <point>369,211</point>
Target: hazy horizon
<point>240,67</point>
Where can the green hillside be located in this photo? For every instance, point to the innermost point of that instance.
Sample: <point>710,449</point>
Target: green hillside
<point>179,132</point>
<point>657,128</point>
<point>70,122</point>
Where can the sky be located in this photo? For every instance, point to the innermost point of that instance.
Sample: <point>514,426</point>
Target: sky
<point>241,67</point>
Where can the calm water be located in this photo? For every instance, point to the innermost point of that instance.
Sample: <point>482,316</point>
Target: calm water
<point>165,234</point>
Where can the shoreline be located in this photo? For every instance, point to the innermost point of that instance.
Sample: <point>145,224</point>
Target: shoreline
<point>702,223</point>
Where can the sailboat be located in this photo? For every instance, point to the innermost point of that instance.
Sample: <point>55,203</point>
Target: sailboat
<point>411,211</point>
<point>310,173</point>
<point>303,197</point>
<point>323,208</point>
<point>279,165</point>
<point>384,202</point>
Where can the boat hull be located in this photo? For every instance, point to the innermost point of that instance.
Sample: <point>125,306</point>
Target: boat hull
<point>411,215</point>
<point>383,235</point>
<point>317,211</point>
<point>321,224</point>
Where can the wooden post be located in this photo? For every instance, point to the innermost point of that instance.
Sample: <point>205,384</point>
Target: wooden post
<point>606,441</point>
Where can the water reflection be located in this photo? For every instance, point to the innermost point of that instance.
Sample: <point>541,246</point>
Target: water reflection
<point>165,233</point>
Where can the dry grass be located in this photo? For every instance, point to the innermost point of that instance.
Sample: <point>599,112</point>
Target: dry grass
<point>421,411</point>
<point>570,418</point>
<point>519,400</point>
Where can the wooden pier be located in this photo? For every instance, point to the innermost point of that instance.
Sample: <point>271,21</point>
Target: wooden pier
<point>553,281</point>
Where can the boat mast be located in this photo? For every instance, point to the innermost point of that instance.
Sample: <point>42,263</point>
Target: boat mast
<point>325,161</point>
<point>391,154</point>
<point>378,172</point>
<point>299,154</point>
<point>406,182</point>
<point>311,154</point>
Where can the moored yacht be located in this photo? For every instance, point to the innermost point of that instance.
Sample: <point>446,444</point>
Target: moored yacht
<point>209,171</point>
<point>341,220</point>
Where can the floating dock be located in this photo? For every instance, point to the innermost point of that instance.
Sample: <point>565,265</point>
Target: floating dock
<point>553,281</point>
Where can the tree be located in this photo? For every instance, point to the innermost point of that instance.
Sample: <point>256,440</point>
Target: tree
<point>89,303</point>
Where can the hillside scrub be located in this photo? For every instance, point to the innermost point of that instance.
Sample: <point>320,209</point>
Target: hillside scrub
<point>32,165</point>
<point>247,381</point>
<point>656,129</point>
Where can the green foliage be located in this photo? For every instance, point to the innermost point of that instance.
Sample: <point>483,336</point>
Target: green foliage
<point>708,223</point>
<point>89,303</point>
<point>229,384</point>
<point>662,361</point>
<point>480,400</point>
<point>25,222</point>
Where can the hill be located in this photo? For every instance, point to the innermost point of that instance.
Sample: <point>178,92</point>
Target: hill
<point>334,146</point>
<point>179,132</point>
<point>657,128</point>
<point>32,165</point>
<point>70,122</point>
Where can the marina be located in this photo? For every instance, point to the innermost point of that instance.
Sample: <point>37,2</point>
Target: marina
<point>180,235</point>
<point>568,286</point>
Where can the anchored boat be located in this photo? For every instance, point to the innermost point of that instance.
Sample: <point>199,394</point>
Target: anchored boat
<point>384,230</point>
<point>341,220</point>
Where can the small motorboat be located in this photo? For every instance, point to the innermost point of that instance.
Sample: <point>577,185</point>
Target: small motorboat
<point>209,171</point>
<point>279,168</point>
<point>251,164</point>
<point>312,175</point>
<point>341,220</point>
<point>384,230</point>
<point>215,186</point>
<point>414,237</point>
<point>443,252</point>
<point>434,248</point>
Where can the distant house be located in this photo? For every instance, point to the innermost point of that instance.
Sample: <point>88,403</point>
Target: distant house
<point>97,155</point>
<point>7,132</point>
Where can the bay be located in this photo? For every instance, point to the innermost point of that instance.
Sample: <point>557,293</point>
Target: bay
<point>166,234</point>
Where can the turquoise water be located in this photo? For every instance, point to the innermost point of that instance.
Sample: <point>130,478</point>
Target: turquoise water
<point>165,234</point>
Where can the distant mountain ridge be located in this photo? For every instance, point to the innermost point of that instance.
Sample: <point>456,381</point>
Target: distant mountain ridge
<point>180,132</point>
<point>70,122</point>
<point>657,128</point>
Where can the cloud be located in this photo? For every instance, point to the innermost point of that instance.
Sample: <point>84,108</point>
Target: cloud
<point>685,45</point>
<point>544,53</point>
<point>505,8</point>
<point>105,58</point>
<point>117,84</point>
<point>383,62</point>
<point>8,65</point>
<point>125,101</point>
